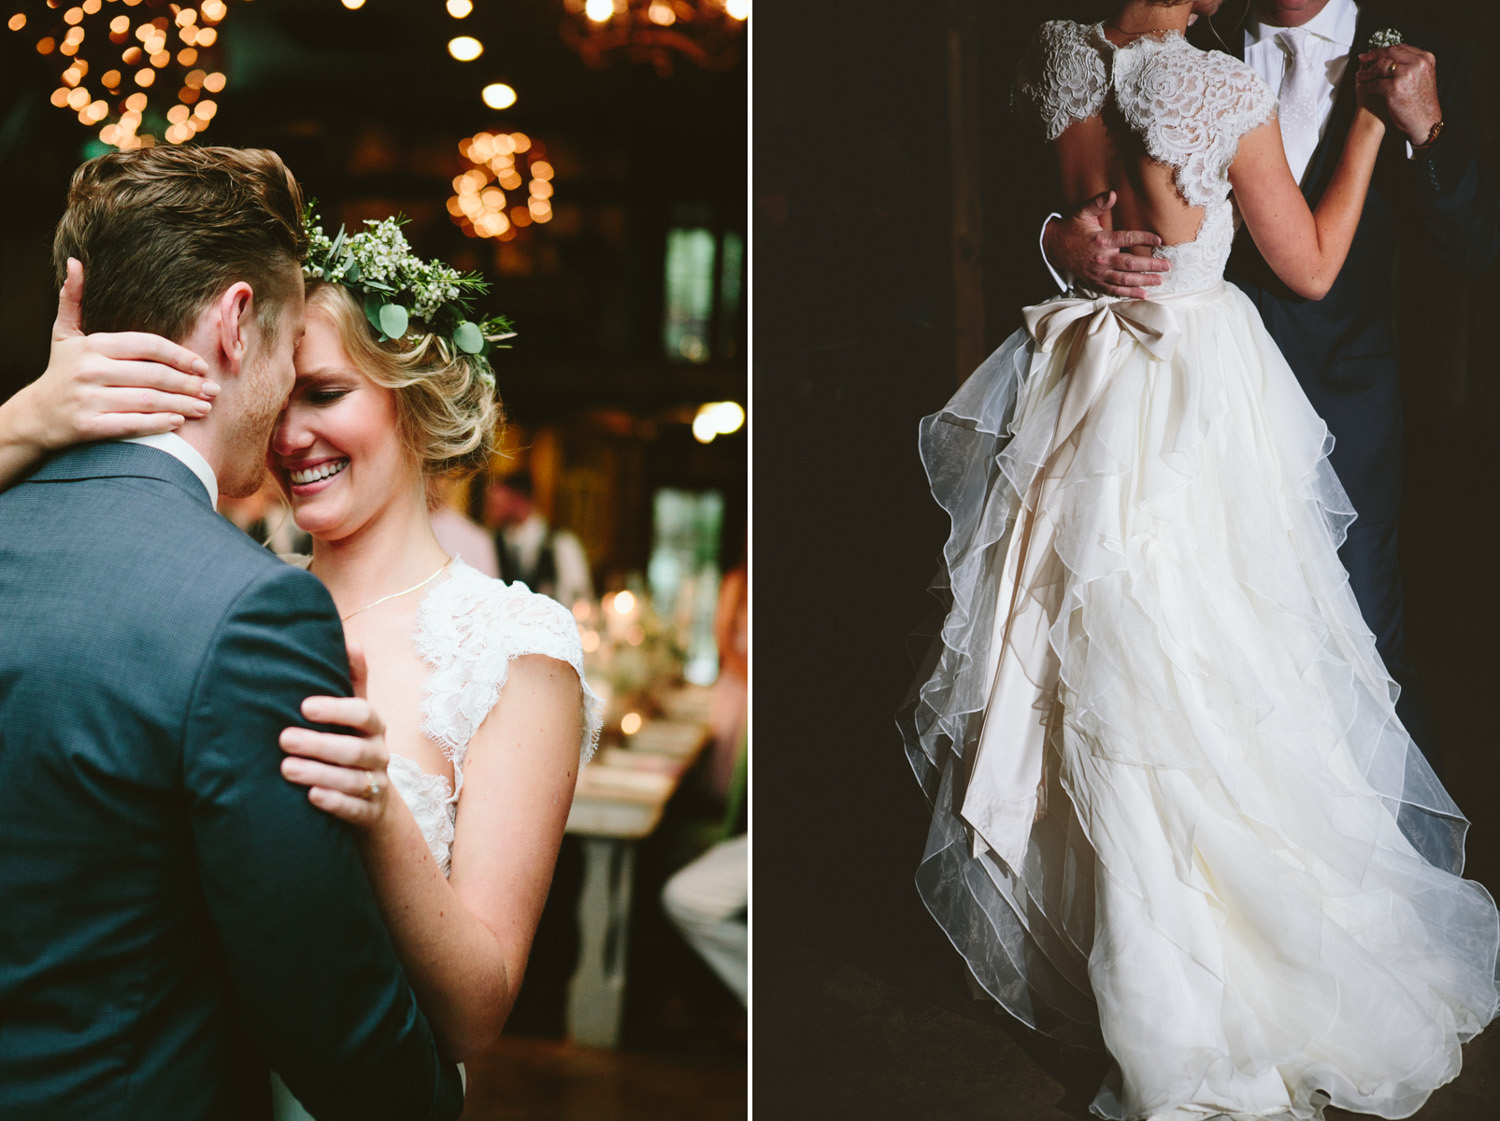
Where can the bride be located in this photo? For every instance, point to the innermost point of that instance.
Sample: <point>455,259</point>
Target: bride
<point>484,713</point>
<point>1173,809</point>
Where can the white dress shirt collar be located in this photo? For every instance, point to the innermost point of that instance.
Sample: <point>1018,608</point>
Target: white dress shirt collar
<point>1337,24</point>
<point>189,456</point>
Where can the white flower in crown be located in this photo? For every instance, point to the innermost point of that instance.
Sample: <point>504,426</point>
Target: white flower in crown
<point>1389,37</point>
<point>397,286</point>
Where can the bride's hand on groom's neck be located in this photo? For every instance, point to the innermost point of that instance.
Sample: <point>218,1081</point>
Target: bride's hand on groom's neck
<point>104,386</point>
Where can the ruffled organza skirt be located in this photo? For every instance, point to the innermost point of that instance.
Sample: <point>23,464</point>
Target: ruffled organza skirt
<point>1237,873</point>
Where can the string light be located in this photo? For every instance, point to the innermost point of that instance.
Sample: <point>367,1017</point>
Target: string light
<point>708,32</point>
<point>134,52</point>
<point>498,95</point>
<point>500,163</point>
<point>465,48</point>
<point>459,9</point>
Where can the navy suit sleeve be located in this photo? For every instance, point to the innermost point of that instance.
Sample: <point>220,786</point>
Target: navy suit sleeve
<point>1448,204</point>
<point>313,968</point>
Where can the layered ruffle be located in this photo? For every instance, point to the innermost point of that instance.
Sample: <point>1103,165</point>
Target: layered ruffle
<point>1244,879</point>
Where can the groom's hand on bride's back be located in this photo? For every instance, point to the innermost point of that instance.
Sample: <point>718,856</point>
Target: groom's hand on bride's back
<point>111,385</point>
<point>1079,246</point>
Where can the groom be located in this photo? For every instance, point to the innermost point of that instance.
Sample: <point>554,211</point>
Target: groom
<point>1342,349</point>
<point>175,918</point>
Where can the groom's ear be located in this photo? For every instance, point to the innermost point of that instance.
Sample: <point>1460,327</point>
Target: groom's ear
<point>230,317</point>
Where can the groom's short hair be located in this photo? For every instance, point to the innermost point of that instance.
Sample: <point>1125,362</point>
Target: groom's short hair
<point>162,232</point>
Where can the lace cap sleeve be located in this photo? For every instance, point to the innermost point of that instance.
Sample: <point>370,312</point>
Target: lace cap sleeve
<point>1191,108</point>
<point>1061,78</point>
<point>469,630</point>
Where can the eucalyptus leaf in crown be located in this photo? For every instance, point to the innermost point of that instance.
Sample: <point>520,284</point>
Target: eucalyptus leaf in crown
<point>398,287</point>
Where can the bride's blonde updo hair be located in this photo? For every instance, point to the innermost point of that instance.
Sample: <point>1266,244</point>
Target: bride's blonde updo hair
<point>449,417</point>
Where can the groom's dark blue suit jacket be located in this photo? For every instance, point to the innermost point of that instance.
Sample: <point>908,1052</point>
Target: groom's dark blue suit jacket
<point>175,917</point>
<point>1342,347</point>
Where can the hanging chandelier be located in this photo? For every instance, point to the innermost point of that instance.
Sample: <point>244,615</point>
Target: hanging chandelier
<point>141,71</point>
<point>706,32</point>
<point>501,162</point>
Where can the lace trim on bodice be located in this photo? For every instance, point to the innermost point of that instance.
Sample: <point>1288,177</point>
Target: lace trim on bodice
<point>1188,107</point>
<point>468,630</point>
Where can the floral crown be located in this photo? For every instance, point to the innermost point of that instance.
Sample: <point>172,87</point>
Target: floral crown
<point>378,264</point>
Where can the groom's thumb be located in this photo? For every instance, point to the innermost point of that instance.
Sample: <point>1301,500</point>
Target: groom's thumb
<point>1097,206</point>
<point>358,672</point>
<point>69,321</point>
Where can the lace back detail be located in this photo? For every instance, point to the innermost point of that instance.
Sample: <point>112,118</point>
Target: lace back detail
<point>1188,107</point>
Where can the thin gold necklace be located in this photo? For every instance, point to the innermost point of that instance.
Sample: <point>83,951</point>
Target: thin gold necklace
<point>398,595</point>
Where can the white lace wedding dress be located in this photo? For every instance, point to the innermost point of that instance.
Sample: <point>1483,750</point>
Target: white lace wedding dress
<point>469,628</point>
<point>1173,809</point>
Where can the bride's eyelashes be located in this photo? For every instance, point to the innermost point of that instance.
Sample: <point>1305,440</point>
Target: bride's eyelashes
<point>327,396</point>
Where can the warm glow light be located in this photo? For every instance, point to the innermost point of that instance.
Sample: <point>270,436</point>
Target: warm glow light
<point>195,79</point>
<point>630,723</point>
<point>717,418</point>
<point>136,103</point>
<point>214,83</point>
<point>458,9</point>
<point>145,77</point>
<point>737,9</point>
<point>541,189</point>
<point>161,58</point>
<point>465,48</point>
<point>98,110</point>
<point>521,141</point>
<point>60,96</point>
<point>187,16</point>
<point>624,602</point>
<point>212,9</point>
<point>206,37</point>
<point>78,98</point>
<point>541,170</point>
<point>187,56</point>
<point>661,14</point>
<point>91,7</point>
<point>599,10</point>
<point>119,25</point>
<point>590,641</point>
<point>132,56</point>
<point>17,21</point>
<point>498,95</point>
<point>111,79</point>
<point>354,5</point>
<point>73,16</point>
<point>582,609</point>
<point>205,110</point>
<point>177,114</point>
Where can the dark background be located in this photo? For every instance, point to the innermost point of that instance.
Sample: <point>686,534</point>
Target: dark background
<point>861,1010</point>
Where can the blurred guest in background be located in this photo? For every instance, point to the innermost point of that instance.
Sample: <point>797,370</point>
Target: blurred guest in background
<point>264,518</point>
<point>732,689</point>
<point>549,561</point>
<point>462,538</point>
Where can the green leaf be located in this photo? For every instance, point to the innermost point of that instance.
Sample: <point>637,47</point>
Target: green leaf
<point>393,320</point>
<point>468,338</point>
<point>353,274</point>
<point>373,304</point>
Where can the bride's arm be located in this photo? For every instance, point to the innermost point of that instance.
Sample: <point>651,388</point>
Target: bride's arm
<point>1306,248</point>
<point>463,940</point>
<point>98,387</point>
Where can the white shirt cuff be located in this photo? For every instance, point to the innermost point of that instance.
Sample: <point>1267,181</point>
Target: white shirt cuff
<point>1063,286</point>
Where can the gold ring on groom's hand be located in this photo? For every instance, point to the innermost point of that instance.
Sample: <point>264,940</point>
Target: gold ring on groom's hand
<point>372,787</point>
<point>1391,73</point>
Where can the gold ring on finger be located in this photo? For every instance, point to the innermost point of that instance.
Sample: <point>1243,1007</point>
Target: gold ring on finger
<point>1391,73</point>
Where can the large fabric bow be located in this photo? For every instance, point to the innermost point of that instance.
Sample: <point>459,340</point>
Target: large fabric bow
<point>1004,792</point>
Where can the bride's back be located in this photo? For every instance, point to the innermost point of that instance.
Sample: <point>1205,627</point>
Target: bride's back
<point>1153,119</point>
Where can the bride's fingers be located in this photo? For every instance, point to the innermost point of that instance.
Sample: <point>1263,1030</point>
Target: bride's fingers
<point>137,399</point>
<point>356,811</point>
<point>353,781</point>
<point>352,712</point>
<point>127,426</point>
<point>69,321</point>
<point>141,346</point>
<point>350,752</point>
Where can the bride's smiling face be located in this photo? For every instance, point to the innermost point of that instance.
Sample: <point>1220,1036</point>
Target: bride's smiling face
<point>337,449</point>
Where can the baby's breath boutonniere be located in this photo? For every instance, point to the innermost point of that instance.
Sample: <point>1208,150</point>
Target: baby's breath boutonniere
<point>397,287</point>
<point>1389,37</point>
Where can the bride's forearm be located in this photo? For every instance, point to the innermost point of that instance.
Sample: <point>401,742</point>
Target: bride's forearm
<point>456,965</point>
<point>20,450</point>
